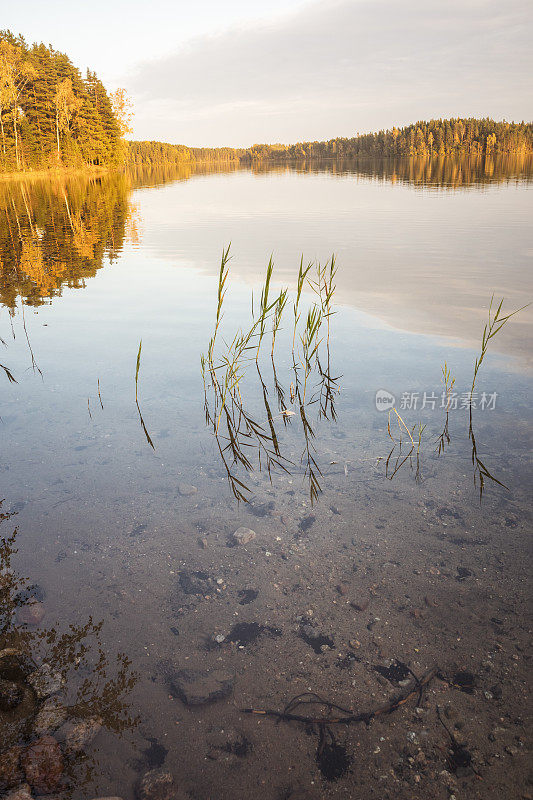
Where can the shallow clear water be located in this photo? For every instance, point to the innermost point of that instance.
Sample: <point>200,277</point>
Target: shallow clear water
<point>107,524</point>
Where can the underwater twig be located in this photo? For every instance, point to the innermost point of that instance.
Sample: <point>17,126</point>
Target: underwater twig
<point>346,717</point>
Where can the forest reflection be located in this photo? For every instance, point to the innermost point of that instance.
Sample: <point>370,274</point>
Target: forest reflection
<point>56,233</point>
<point>445,172</point>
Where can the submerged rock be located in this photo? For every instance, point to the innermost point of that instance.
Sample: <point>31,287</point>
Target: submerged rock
<point>22,792</point>
<point>50,717</point>
<point>10,770</point>
<point>243,535</point>
<point>197,687</point>
<point>32,613</point>
<point>187,489</point>
<point>15,724</point>
<point>14,664</point>
<point>45,682</point>
<point>10,695</point>
<point>42,762</point>
<point>158,785</point>
<point>78,735</point>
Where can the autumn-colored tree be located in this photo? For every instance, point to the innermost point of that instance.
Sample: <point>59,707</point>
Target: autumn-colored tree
<point>67,106</point>
<point>49,112</point>
<point>123,110</point>
<point>15,72</point>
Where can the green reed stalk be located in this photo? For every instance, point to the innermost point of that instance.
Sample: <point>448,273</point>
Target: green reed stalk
<point>494,325</point>
<point>278,313</point>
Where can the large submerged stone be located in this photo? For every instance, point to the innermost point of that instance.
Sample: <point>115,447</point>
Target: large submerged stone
<point>50,717</point>
<point>243,535</point>
<point>11,695</point>
<point>158,784</point>
<point>42,762</point>
<point>45,681</point>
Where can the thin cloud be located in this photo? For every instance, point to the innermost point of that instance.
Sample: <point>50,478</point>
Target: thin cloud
<point>339,66</point>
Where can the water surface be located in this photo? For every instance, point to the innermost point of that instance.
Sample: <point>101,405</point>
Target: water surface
<point>108,525</point>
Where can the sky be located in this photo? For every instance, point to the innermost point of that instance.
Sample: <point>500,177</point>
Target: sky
<point>241,72</point>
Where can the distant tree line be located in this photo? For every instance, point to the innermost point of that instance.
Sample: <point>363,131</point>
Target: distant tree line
<point>161,154</point>
<point>436,138</point>
<point>50,115</point>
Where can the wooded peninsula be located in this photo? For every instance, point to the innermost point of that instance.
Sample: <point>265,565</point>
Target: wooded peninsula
<point>53,117</point>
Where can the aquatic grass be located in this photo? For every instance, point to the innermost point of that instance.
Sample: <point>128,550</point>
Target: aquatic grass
<point>310,342</point>
<point>278,314</point>
<point>8,374</point>
<point>143,426</point>
<point>496,321</point>
<point>414,436</point>
<point>34,364</point>
<point>492,328</point>
<point>302,275</point>
<point>264,307</point>
<point>324,287</point>
<point>224,367</point>
<point>443,440</point>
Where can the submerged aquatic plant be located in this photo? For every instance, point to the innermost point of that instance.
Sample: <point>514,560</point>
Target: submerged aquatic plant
<point>8,373</point>
<point>444,437</point>
<point>414,444</point>
<point>496,321</point>
<point>137,368</point>
<point>238,434</point>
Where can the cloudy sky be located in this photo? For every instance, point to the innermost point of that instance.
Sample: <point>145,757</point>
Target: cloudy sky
<point>239,72</point>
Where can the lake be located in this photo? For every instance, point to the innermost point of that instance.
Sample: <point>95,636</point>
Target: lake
<point>389,504</point>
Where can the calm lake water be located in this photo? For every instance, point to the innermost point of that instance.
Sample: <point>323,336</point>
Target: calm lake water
<point>125,515</point>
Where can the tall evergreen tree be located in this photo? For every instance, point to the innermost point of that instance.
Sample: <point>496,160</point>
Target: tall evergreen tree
<point>50,114</point>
